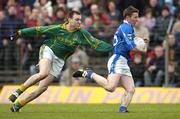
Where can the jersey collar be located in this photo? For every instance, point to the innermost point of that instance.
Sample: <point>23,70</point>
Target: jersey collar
<point>125,21</point>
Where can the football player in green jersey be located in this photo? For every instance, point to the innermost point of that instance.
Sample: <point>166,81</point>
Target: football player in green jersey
<point>60,42</point>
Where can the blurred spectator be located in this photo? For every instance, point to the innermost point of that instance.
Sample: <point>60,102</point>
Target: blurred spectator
<point>46,11</point>
<point>27,2</point>
<point>174,80</point>
<point>176,26</point>
<point>45,19</point>
<point>156,8</point>
<point>162,23</point>
<point>100,21</point>
<point>19,8</point>
<point>148,20</point>
<point>1,3</point>
<point>141,31</point>
<point>60,16</point>
<point>85,7</point>
<point>88,25</point>
<point>138,74</point>
<point>27,13</point>
<point>1,39</point>
<point>113,13</point>
<point>10,25</point>
<point>154,73</point>
<point>81,55</point>
<point>74,4</point>
<point>45,7</point>
<point>32,20</point>
<point>77,9</point>
<point>59,4</point>
<point>123,4</point>
<point>174,49</point>
<point>115,16</point>
<point>8,4</point>
<point>1,20</point>
<point>99,18</point>
<point>171,6</point>
<point>67,79</point>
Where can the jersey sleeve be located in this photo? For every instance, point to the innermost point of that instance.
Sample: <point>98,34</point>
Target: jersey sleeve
<point>128,36</point>
<point>95,43</point>
<point>36,31</point>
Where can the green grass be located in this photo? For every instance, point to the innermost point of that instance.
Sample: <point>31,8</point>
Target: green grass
<point>92,111</point>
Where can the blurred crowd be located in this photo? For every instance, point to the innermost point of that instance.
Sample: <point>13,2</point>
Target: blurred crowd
<point>101,18</point>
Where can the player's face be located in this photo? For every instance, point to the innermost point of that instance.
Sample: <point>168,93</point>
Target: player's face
<point>75,21</point>
<point>134,18</point>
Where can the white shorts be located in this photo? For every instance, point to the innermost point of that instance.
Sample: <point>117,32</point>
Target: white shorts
<point>57,63</point>
<point>118,64</point>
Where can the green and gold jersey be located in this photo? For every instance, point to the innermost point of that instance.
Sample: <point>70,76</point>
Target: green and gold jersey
<point>64,42</point>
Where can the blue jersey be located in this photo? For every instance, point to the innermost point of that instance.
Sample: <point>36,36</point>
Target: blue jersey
<point>123,41</point>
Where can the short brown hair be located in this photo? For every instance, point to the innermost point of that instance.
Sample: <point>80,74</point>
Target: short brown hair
<point>71,13</point>
<point>129,11</point>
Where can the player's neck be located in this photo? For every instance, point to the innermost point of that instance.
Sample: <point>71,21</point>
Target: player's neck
<point>70,28</point>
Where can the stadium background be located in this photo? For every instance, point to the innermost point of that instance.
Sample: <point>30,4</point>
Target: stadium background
<point>18,59</point>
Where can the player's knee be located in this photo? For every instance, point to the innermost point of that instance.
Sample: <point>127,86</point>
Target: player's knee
<point>110,88</point>
<point>43,88</point>
<point>131,90</point>
<point>42,75</point>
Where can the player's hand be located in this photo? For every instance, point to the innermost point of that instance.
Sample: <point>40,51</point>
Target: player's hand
<point>14,36</point>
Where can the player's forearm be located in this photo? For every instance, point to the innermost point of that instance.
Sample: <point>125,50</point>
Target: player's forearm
<point>104,47</point>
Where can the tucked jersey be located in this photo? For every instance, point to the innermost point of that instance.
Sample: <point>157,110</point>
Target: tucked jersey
<point>64,42</point>
<point>124,40</point>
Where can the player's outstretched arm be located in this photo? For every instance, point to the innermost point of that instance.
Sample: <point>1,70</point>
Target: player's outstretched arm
<point>96,44</point>
<point>36,31</point>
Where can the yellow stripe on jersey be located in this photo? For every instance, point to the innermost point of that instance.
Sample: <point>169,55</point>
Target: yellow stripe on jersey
<point>89,41</point>
<point>38,31</point>
<point>96,44</point>
<point>51,28</point>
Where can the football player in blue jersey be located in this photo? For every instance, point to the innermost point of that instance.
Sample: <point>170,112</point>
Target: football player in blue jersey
<point>118,68</point>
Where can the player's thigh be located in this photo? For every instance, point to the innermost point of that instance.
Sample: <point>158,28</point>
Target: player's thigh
<point>45,60</point>
<point>44,66</point>
<point>127,83</point>
<point>113,79</point>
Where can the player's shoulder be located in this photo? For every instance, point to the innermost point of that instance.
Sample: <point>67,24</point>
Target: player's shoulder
<point>83,31</point>
<point>126,26</point>
<point>52,26</point>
